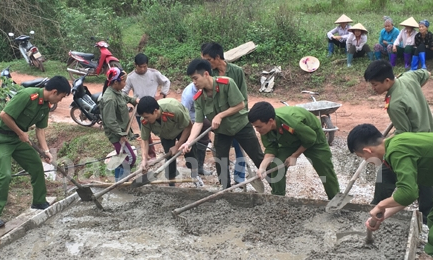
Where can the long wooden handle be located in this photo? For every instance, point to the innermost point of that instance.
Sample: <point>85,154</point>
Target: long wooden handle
<point>128,127</point>
<point>372,223</point>
<point>130,176</point>
<point>213,196</point>
<point>362,165</point>
<point>127,184</point>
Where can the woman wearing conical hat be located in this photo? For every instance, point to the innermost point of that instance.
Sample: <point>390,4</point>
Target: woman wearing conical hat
<point>405,42</point>
<point>423,45</point>
<point>387,37</point>
<point>339,34</point>
<point>357,44</point>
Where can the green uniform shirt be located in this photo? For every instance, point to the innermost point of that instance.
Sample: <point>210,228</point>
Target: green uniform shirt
<point>237,74</point>
<point>115,113</point>
<point>295,127</point>
<point>410,155</point>
<point>408,108</point>
<point>224,96</point>
<point>174,119</point>
<point>27,108</point>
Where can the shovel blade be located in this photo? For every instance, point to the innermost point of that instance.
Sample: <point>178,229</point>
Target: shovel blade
<point>85,193</point>
<point>258,186</point>
<point>115,161</point>
<point>338,202</point>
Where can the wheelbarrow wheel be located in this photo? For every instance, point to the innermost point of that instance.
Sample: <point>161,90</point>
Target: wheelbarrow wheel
<point>327,124</point>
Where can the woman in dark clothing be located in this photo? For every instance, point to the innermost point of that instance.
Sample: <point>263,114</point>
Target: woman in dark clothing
<point>423,46</point>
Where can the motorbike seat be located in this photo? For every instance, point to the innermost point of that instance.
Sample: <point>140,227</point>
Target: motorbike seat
<point>22,38</point>
<point>96,96</point>
<point>87,56</point>
<point>32,83</point>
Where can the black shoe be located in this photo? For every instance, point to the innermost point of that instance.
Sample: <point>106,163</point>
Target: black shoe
<point>41,206</point>
<point>2,223</point>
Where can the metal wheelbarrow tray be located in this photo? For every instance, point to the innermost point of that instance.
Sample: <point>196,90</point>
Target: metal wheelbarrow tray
<point>321,107</point>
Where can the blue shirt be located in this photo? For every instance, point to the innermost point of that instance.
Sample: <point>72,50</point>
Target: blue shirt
<point>390,37</point>
<point>188,99</point>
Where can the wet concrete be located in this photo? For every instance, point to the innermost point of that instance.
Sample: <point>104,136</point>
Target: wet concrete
<point>237,226</point>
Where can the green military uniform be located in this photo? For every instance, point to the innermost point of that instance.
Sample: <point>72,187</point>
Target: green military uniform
<point>27,108</point>
<point>410,156</point>
<point>237,74</point>
<point>226,94</point>
<point>115,103</point>
<point>409,111</point>
<point>174,119</point>
<point>295,127</point>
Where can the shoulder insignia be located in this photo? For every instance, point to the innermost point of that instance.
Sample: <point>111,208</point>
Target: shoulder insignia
<point>198,94</point>
<point>165,115</point>
<point>224,81</point>
<point>387,100</point>
<point>34,96</point>
<point>41,101</point>
<point>288,128</point>
<point>144,122</point>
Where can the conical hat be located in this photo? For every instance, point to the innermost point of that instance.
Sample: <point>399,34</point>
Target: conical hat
<point>410,23</point>
<point>344,19</point>
<point>309,63</point>
<point>357,26</point>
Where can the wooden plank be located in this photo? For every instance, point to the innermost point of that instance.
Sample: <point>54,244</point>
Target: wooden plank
<point>414,230</point>
<point>23,217</point>
<point>235,53</point>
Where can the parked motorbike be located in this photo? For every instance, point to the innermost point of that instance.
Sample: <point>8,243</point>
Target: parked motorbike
<point>38,83</point>
<point>30,52</point>
<point>80,63</point>
<point>85,106</point>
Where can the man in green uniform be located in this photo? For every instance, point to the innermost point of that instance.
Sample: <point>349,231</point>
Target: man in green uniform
<point>409,111</point>
<point>214,53</point>
<point>28,107</point>
<point>220,100</point>
<point>410,156</point>
<point>168,119</point>
<point>287,132</point>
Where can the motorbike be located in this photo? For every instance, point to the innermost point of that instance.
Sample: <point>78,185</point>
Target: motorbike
<point>80,63</point>
<point>85,105</point>
<point>38,83</point>
<point>30,52</point>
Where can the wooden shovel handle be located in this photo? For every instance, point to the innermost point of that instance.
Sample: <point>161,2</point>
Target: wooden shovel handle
<point>372,223</point>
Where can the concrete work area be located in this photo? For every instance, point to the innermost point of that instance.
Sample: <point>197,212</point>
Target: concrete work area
<point>138,224</point>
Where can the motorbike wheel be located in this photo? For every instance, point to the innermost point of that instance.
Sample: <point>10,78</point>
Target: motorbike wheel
<point>38,64</point>
<point>80,118</point>
<point>53,107</point>
<point>76,66</point>
<point>327,124</point>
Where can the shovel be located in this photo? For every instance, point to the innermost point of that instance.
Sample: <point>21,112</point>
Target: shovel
<point>341,199</point>
<point>369,235</point>
<point>117,160</point>
<point>85,193</point>
<point>144,179</point>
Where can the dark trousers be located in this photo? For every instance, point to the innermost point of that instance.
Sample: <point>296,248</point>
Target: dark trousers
<point>171,170</point>
<point>201,146</point>
<point>356,54</point>
<point>422,48</point>
<point>338,43</point>
<point>151,151</point>
<point>247,138</point>
<point>385,187</point>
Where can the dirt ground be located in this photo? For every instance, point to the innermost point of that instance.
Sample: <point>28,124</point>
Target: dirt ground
<point>140,226</point>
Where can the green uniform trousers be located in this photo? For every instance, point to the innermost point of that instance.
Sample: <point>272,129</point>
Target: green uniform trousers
<point>319,156</point>
<point>247,138</point>
<point>12,147</point>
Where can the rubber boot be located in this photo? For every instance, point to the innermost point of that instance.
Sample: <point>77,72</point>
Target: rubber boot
<point>415,62</point>
<point>349,60</point>
<point>393,59</point>
<point>370,55</point>
<point>422,60</point>
<point>378,55</point>
<point>330,49</point>
<point>407,59</point>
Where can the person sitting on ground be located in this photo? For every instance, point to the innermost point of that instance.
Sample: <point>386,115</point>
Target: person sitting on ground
<point>410,156</point>
<point>115,118</point>
<point>287,132</point>
<point>168,119</point>
<point>405,42</point>
<point>386,39</point>
<point>423,46</point>
<point>357,44</point>
<point>343,32</point>
<point>30,106</point>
